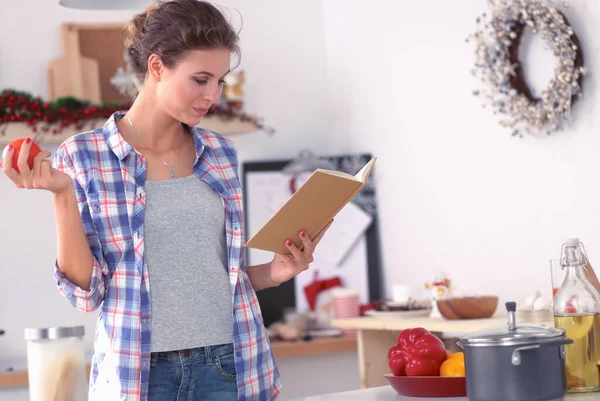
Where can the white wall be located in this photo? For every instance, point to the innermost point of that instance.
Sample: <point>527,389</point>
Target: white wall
<point>285,67</point>
<point>456,192</point>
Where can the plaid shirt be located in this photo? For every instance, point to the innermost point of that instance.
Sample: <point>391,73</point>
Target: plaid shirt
<point>109,178</point>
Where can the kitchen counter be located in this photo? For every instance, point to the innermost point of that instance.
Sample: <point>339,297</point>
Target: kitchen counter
<point>281,349</point>
<point>377,334</point>
<point>387,393</point>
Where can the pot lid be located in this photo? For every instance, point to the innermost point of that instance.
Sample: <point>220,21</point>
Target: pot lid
<point>503,336</point>
<point>512,334</point>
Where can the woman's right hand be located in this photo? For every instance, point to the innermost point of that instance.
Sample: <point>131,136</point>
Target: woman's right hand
<point>42,176</point>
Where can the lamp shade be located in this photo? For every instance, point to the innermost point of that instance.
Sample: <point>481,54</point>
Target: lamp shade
<point>106,4</point>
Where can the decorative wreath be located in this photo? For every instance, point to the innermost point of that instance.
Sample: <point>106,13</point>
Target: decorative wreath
<point>498,67</point>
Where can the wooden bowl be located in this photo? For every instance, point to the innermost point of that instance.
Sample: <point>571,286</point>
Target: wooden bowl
<point>468,307</point>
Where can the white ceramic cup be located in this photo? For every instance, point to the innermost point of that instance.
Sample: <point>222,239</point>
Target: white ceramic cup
<point>403,293</point>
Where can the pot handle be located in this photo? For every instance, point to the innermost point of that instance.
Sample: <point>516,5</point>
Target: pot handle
<point>516,354</point>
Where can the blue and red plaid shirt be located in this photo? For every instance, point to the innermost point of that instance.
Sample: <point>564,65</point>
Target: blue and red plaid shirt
<point>109,178</point>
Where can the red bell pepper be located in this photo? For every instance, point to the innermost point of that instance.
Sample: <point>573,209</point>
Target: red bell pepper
<point>418,353</point>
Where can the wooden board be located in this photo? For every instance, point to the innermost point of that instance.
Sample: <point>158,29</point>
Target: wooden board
<point>106,45</point>
<point>91,55</point>
<point>72,74</point>
<point>61,82</point>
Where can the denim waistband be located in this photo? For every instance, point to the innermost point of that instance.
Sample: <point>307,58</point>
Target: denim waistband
<point>194,354</point>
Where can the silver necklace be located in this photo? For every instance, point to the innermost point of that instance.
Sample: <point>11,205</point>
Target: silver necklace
<point>173,172</point>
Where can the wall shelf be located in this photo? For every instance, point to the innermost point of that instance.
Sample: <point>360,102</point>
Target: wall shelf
<point>217,124</point>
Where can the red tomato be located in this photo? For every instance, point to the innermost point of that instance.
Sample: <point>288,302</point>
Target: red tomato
<point>16,144</point>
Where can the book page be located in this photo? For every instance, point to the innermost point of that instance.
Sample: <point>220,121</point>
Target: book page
<point>340,174</point>
<point>365,171</point>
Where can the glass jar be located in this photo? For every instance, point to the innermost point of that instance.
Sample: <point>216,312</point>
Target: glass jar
<point>577,310</point>
<point>56,364</point>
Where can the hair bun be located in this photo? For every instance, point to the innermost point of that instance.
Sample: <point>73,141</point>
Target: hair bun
<point>171,28</point>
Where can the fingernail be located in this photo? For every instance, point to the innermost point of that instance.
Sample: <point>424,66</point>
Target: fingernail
<point>302,234</point>
<point>288,243</point>
<point>10,148</point>
<point>28,140</point>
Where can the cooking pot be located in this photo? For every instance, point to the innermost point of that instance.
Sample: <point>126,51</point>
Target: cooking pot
<point>515,363</point>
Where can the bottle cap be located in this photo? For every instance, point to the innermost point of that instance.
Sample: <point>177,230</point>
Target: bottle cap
<point>572,241</point>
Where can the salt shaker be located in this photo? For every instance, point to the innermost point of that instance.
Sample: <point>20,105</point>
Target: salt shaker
<point>56,364</point>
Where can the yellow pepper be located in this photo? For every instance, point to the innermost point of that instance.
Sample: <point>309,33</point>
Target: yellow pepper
<point>453,366</point>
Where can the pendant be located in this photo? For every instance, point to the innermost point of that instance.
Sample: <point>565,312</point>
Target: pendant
<point>173,174</point>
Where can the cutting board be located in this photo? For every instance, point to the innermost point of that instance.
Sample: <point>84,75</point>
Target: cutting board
<point>73,74</point>
<point>63,81</point>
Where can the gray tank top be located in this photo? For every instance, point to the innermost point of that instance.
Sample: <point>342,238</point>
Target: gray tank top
<point>186,254</point>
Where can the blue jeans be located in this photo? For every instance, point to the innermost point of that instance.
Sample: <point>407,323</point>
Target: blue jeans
<point>199,374</point>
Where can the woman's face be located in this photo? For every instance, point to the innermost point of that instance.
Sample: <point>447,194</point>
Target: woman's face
<point>187,91</point>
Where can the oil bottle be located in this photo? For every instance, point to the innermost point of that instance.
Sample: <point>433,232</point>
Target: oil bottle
<point>577,310</point>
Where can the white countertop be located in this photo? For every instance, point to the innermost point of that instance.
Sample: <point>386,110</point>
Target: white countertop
<point>387,393</point>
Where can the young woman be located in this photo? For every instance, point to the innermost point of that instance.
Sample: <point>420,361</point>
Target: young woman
<point>149,223</point>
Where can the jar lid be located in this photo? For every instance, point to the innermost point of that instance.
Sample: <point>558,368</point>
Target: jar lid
<point>53,333</point>
<point>503,336</point>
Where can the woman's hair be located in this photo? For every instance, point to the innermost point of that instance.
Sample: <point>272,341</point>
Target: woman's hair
<point>170,29</point>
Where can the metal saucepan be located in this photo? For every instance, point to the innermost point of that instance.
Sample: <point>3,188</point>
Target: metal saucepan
<point>515,363</point>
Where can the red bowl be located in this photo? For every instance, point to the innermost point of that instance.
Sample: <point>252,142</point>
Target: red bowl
<point>428,386</point>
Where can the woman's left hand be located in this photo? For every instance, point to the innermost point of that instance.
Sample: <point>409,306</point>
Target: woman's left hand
<point>286,267</point>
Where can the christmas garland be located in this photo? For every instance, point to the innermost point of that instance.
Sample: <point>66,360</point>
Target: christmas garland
<point>498,67</point>
<point>52,117</point>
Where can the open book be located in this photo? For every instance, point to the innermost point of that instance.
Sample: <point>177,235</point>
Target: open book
<point>310,208</point>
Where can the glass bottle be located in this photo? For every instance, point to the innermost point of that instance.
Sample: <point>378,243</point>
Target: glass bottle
<point>577,310</point>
